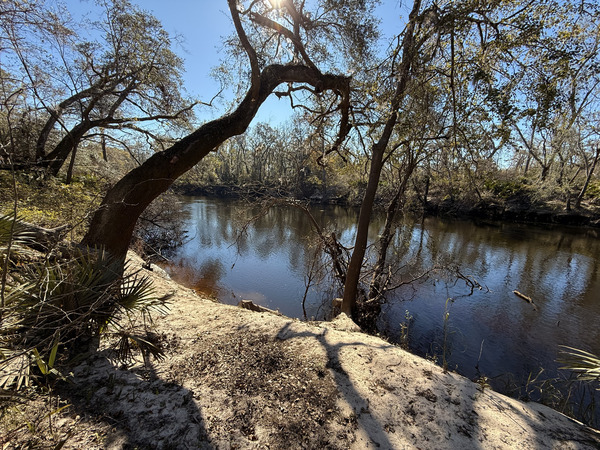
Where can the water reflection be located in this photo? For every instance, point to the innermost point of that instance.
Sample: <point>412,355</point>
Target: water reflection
<point>494,331</point>
<point>558,268</point>
<point>265,262</point>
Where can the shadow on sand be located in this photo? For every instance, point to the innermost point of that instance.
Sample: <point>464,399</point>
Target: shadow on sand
<point>382,397</point>
<point>142,410</point>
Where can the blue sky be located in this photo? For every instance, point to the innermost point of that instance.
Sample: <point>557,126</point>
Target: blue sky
<point>202,24</point>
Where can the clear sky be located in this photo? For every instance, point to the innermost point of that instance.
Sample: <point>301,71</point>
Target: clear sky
<point>202,25</point>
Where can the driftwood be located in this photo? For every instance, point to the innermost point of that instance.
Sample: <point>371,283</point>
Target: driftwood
<point>526,298</point>
<point>523,296</point>
<point>250,305</point>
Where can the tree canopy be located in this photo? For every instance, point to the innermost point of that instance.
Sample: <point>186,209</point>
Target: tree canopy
<point>72,88</point>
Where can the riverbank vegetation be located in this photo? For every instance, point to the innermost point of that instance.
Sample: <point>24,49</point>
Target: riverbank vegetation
<point>486,108</point>
<point>508,194</point>
<point>292,170</point>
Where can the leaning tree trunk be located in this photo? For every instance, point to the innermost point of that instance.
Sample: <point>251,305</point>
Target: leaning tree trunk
<point>113,223</point>
<point>55,116</point>
<point>377,151</point>
<point>57,157</point>
<point>364,218</point>
<point>71,167</point>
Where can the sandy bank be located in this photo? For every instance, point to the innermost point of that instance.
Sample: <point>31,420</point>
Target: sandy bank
<point>240,379</point>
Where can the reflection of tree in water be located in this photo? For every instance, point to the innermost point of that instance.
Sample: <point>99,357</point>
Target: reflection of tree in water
<point>214,223</point>
<point>558,268</point>
<point>204,278</point>
<point>285,227</point>
<point>211,272</point>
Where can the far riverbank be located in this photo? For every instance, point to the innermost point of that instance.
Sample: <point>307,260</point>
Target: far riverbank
<point>513,209</point>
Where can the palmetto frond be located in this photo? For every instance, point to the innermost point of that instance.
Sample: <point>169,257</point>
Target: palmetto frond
<point>14,237</point>
<point>12,228</point>
<point>82,296</point>
<point>129,341</point>
<point>586,365</point>
<point>64,304</point>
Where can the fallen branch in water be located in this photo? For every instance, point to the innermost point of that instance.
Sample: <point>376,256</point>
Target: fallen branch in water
<point>524,297</point>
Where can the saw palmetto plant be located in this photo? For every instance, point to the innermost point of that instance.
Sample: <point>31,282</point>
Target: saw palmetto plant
<point>586,365</point>
<point>67,304</point>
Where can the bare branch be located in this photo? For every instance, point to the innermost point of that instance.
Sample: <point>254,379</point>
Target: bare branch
<point>255,80</point>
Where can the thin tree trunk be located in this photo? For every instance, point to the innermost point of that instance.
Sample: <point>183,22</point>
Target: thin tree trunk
<point>71,165</point>
<point>103,144</point>
<point>364,218</point>
<point>101,85</point>
<point>56,159</point>
<point>377,151</point>
<point>588,178</point>
<point>426,192</point>
<point>527,162</point>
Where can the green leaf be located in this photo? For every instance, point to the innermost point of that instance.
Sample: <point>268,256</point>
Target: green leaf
<point>52,357</point>
<point>40,362</point>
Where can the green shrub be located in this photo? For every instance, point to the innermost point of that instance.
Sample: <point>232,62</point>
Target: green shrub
<point>67,304</point>
<point>593,190</point>
<point>48,202</point>
<point>506,188</point>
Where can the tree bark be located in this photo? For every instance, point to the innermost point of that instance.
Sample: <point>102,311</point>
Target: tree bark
<point>103,144</point>
<point>588,178</point>
<point>377,151</point>
<point>113,223</point>
<point>364,218</point>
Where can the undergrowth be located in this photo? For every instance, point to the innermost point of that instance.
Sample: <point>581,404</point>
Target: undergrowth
<point>49,202</point>
<point>56,304</point>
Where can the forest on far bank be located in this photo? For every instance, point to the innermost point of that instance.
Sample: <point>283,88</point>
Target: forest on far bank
<point>280,162</point>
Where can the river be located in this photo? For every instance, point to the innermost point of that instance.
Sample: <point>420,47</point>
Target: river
<point>491,332</point>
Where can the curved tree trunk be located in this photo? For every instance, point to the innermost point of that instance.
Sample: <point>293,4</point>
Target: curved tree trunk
<point>55,115</point>
<point>57,157</point>
<point>97,89</point>
<point>113,223</point>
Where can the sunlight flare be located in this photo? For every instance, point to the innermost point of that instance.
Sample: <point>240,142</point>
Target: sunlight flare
<point>276,4</point>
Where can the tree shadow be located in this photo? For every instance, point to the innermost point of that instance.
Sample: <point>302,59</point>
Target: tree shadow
<point>384,398</point>
<point>370,430</point>
<point>419,405</point>
<point>142,409</point>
